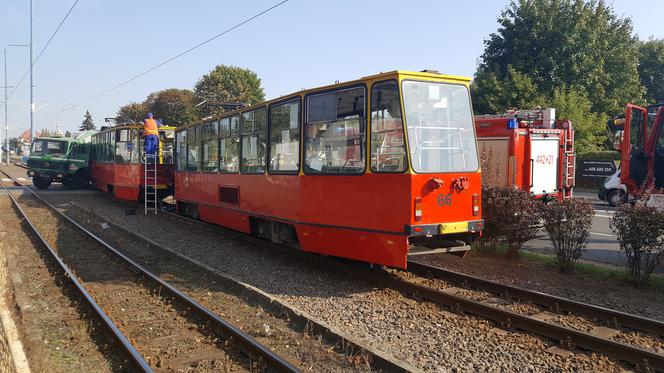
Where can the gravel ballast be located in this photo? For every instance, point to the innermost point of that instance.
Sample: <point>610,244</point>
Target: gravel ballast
<point>421,334</point>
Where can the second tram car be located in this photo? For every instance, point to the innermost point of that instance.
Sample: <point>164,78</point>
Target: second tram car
<point>118,164</point>
<point>373,170</point>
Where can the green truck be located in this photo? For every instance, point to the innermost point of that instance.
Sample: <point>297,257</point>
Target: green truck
<point>60,159</point>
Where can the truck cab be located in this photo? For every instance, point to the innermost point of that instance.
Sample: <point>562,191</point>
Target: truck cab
<point>59,159</point>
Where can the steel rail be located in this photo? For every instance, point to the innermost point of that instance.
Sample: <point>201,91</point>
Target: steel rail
<point>567,336</point>
<point>134,356</point>
<point>558,304</point>
<point>244,342</point>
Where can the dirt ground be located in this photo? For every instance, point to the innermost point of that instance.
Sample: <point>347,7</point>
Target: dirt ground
<point>56,333</point>
<point>610,293</point>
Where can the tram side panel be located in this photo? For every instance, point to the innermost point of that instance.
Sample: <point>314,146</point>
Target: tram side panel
<point>356,217</point>
<point>367,218</point>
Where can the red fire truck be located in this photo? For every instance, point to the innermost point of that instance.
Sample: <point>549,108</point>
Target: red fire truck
<point>528,149</point>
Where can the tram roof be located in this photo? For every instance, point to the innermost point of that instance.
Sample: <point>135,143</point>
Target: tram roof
<point>383,75</point>
<point>131,126</point>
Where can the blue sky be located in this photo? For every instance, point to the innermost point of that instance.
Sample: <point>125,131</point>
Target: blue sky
<point>301,44</point>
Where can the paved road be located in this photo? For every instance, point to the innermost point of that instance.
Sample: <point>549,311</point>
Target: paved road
<point>602,246</point>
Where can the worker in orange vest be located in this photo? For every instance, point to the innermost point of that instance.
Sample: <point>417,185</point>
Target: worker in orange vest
<point>151,133</point>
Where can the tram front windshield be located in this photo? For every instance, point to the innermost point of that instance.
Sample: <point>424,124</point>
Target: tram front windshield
<point>439,119</point>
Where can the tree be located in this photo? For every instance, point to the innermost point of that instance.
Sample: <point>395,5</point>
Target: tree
<point>173,106</point>
<point>494,94</point>
<point>67,133</point>
<point>228,83</point>
<point>651,69</point>
<point>589,127</point>
<point>560,43</point>
<point>133,112</point>
<point>88,124</point>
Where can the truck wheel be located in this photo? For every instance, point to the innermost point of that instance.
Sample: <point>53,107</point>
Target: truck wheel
<point>82,179</point>
<point>616,197</point>
<point>41,183</point>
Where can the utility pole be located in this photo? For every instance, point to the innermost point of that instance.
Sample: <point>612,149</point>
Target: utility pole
<point>32,105</point>
<point>6,122</point>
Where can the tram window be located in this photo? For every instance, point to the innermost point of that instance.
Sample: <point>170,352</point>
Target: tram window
<point>335,132</point>
<point>135,146</point>
<point>193,163</point>
<point>388,150</point>
<point>210,146</point>
<point>104,147</point>
<point>229,139</point>
<point>123,146</point>
<point>253,124</point>
<point>111,148</point>
<point>181,139</point>
<point>285,137</point>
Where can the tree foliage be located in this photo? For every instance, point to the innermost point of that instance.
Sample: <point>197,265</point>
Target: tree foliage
<point>133,112</point>
<point>88,124</point>
<point>175,107</point>
<point>228,83</point>
<point>589,127</point>
<point>563,43</point>
<point>493,92</point>
<point>651,69</point>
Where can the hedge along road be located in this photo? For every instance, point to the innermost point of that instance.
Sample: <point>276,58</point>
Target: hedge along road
<point>602,246</point>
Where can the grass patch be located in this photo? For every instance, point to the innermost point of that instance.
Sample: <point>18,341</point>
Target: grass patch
<point>594,271</point>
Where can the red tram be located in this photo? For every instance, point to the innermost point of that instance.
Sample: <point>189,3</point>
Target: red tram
<point>117,164</point>
<point>374,169</point>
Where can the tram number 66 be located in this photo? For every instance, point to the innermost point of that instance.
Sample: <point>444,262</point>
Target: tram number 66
<point>444,200</point>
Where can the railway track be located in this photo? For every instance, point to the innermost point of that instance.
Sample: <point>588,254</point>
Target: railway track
<point>536,324</point>
<point>158,327</point>
<point>491,309</point>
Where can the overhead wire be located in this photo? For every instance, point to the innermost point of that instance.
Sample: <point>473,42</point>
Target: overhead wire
<point>44,48</point>
<point>170,59</point>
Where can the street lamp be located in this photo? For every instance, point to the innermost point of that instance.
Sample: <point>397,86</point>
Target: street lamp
<point>7,123</point>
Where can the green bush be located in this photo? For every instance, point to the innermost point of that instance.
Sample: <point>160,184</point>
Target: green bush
<point>640,231</point>
<point>568,225</point>
<point>510,214</point>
